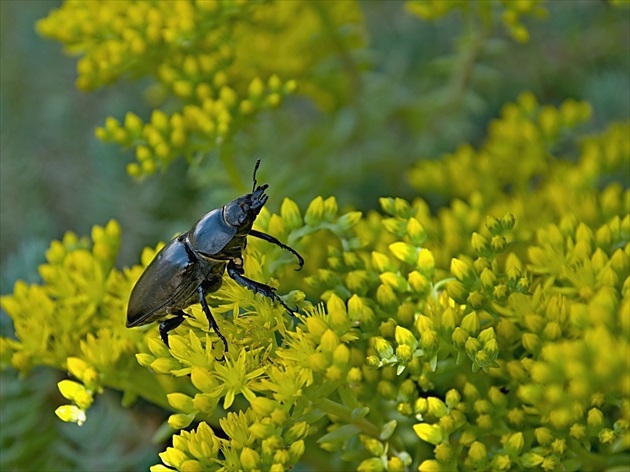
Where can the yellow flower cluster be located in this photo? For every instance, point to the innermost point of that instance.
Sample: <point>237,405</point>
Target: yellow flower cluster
<point>222,61</point>
<point>510,12</point>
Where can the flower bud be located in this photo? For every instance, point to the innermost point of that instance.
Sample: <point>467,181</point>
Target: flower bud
<point>514,444</point>
<point>436,407</point>
<point>404,252</point>
<point>426,262</point>
<point>463,272</point>
<point>470,323</point>
<point>329,341</point>
<point>429,433</point>
<point>457,291</point>
<point>383,348</point>
<point>478,453</point>
<point>290,213</point>
<point>480,244</point>
<point>404,336</point>
<point>250,459</point>
<point>71,414</point>
<point>459,337</point>
<point>381,262</point>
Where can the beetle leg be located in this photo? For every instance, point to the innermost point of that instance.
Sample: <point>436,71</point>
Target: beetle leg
<point>206,310</point>
<point>236,273</point>
<point>170,324</point>
<point>272,240</point>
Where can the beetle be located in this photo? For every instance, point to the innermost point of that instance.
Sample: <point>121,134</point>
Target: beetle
<point>192,265</point>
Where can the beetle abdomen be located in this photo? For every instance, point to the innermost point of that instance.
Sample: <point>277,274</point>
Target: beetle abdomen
<point>168,283</point>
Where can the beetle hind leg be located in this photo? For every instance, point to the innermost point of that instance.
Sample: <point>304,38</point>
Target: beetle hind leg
<point>206,309</point>
<point>257,287</point>
<point>170,324</point>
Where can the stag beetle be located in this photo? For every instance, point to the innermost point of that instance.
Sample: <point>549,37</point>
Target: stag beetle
<point>192,265</point>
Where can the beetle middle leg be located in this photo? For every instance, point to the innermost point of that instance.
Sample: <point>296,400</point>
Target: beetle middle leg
<point>236,273</point>
<point>170,324</point>
<point>206,309</point>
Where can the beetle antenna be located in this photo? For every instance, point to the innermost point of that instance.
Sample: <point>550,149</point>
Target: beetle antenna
<point>255,169</point>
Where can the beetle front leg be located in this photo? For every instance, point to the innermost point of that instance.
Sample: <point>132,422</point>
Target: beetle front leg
<point>206,310</point>
<point>272,240</point>
<point>237,272</point>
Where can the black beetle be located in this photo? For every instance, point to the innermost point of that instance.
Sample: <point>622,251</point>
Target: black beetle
<point>192,265</point>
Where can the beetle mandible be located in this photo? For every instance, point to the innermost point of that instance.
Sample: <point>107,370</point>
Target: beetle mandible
<point>192,265</point>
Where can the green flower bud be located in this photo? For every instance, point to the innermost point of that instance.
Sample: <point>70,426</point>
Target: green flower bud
<point>488,278</point>
<point>373,464</point>
<point>480,244</point>
<point>485,422</point>
<point>404,352</point>
<point>415,231</point>
<point>457,291</point>
<point>508,221</point>
<point>514,444</point>
<point>429,433</point>
<point>263,406</point>
<point>334,374</point>
<point>296,432</point>
<point>421,406</point>
<point>395,464</point>
<point>262,430</point>
<point>354,376</point>
<point>444,453</point>
<point>493,225</point>
<point>290,213</point>
<point>470,323</point>
<point>314,212</point>
<point>578,431</point>
<point>383,348</point>
<point>395,226</point>
<point>595,419</point>
<point>250,459</point>
<point>459,337</point>
<point>516,416</point>
<point>452,398</point>
<point>318,362</point>
<point>404,252</point>
<point>530,460</point>
<point>281,457</point>
<point>404,336</point>
<point>373,362</point>
<point>502,462</point>
<point>476,300</point>
<point>419,282</point>
<point>500,292</point>
<point>478,453</point>
<point>180,420</point>
<point>349,220</point>
<point>386,389</point>
<point>543,436</point>
<point>559,447</point>
<point>429,341</point>
<point>381,262</point>
<point>329,341</point>
<point>71,414</point>
<point>426,262</point>
<point>436,407</point>
<point>296,450</point>
<point>386,296</point>
<point>463,272</point>
<point>531,342</point>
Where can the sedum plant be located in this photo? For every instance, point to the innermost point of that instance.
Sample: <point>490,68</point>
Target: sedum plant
<point>489,335</point>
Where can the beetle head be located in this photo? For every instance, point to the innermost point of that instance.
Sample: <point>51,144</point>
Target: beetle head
<point>245,209</point>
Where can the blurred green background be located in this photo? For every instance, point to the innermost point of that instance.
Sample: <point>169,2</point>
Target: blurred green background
<point>421,93</point>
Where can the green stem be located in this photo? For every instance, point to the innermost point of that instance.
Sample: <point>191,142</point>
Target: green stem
<point>345,413</point>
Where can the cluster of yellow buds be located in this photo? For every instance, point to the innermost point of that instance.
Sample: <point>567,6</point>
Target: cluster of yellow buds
<point>510,12</point>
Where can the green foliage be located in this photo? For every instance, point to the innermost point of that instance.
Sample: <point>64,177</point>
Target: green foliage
<point>490,335</point>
